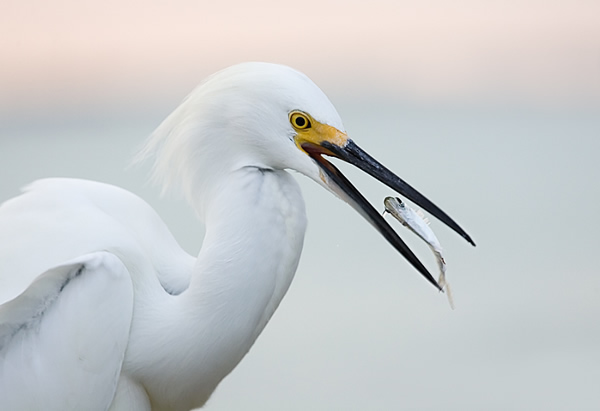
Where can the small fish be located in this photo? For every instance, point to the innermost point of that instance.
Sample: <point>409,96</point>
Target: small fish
<point>418,224</point>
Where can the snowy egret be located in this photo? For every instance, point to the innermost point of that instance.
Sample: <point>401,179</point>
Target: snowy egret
<point>101,308</point>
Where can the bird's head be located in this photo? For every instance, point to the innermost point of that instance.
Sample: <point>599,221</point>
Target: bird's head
<point>272,117</point>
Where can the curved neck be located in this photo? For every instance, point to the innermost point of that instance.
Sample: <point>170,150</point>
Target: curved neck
<point>254,234</point>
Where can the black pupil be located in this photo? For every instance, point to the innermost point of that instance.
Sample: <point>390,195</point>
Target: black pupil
<point>300,121</point>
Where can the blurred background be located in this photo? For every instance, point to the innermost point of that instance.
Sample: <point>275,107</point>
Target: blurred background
<point>490,108</point>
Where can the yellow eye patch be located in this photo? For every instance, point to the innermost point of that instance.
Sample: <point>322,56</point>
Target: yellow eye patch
<point>311,131</point>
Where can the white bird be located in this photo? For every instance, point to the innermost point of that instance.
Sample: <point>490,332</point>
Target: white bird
<point>101,308</point>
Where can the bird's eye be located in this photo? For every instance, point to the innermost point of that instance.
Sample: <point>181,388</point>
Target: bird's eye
<point>299,120</point>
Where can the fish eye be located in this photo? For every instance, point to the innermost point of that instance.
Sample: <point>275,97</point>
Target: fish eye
<point>299,120</point>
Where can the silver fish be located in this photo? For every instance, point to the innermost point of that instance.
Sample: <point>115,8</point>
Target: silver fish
<point>418,224</point>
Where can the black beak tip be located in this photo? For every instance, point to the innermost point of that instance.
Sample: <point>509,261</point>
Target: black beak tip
<point>470,240</point>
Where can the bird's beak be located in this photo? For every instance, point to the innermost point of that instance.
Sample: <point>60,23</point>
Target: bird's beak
<point>327,140</point>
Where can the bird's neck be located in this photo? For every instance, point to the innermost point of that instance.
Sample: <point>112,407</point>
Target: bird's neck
<point>255,229</point>
<point>254,234</point>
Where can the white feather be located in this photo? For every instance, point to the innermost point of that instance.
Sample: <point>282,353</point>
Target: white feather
<point>191,319</point>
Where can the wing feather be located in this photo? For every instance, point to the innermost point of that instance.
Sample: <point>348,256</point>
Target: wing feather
<point>62,341</point>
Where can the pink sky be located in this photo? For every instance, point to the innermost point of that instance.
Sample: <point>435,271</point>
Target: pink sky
<point>67,51</point>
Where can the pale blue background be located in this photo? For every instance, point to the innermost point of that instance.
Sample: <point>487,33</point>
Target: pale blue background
<point>359,328</point>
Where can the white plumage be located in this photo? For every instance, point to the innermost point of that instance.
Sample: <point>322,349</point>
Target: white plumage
<point>99,306</point>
